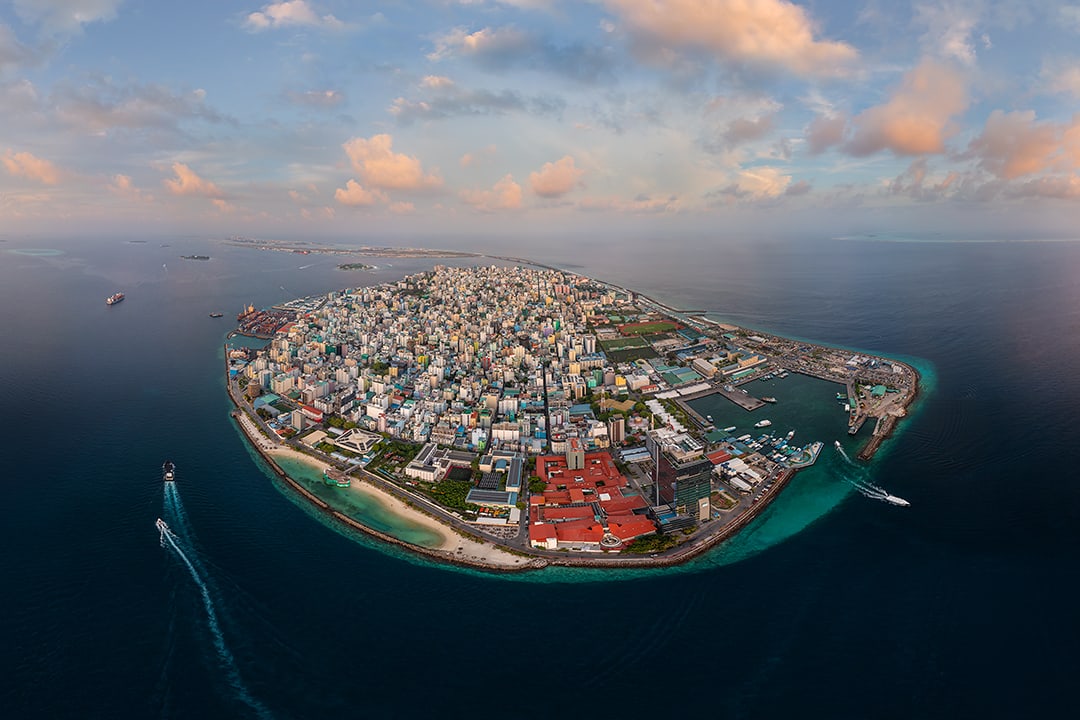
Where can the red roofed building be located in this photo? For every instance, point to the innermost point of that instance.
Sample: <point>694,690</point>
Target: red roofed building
<point>718,456</point>
<point>628,527</point>
<point>543,536</point>
<point>623,505</point>
<point>551,514</point>
<point>313,413</point>
<point>579,532</point>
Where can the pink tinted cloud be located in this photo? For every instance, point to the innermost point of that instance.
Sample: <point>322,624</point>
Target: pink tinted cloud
<point>289,13</point>
<point>917,119</point>
<point>355,195</point>
<point>504,195</point>
<point>763,32</point>
<point>1014,144</point>
<point>188,182</point>
<point>24,164</point>
<point>555,179</point>
<point>380,167</point>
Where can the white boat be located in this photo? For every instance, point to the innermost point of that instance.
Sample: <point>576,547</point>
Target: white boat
<point>709,418</point>
<point>837,444</point>
<point>730,428</point>
<point>763,423</point>
<point>161,526</point>
<point>790,435</point>
<point>895,500</point>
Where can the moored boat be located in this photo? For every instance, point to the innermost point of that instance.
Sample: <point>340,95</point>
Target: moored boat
<point>768,399</point>
<point>763,423</point>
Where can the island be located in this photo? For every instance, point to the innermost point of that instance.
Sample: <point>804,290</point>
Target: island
<point>522,417</point>
<point>355,266</point>
<point>194,257</point>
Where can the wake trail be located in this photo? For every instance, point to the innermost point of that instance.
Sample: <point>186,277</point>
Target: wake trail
<point>169,540</point>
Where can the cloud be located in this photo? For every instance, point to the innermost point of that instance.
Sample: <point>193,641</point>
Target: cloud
<point>825,132</point>
<point>917,118</point>
<point>355,195</point>
<point>507,48</point>
<point>290,13</point>
<point>317,98</point>
<point>555,179</point>
<point>771,33</point>
<point>65,17</point>
<point>454,102</point>
<point>13,54</point>
<point>757,183</point>
<point>380,167</point>
<point>402,208</point>
<point>223,206</point>
<point>123,186</point>
<point>24,164</point>
<point>1014,144</point>
<point>950,30</point>
<point>504,195</point>
<point>436,82</point>
<point>469,159</point>
<point>1061,76</point>
<point>642,204</point>
<point>187,182</point>
<point>98,105</point>
<point>1061,187</point>
<point>799,188</point>
<point>913,183</point>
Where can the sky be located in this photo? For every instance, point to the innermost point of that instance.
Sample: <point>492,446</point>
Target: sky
<point>342,118</point>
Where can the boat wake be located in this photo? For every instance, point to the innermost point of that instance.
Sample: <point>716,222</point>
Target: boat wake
<point>867,488</point>
<point>171,541</point>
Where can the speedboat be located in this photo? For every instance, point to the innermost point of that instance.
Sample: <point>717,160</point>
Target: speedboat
<point>161,526</point>
<point>837,444</point>
<point>895,500</point>
<point>168,471</point>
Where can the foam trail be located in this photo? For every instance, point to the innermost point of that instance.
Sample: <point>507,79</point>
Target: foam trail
<point>844,455</point>
<point>168,539</point>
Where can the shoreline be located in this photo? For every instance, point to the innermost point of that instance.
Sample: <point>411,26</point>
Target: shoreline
<point>468,548</point>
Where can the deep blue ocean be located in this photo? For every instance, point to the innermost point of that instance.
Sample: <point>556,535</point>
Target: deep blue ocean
<point>830,605</point>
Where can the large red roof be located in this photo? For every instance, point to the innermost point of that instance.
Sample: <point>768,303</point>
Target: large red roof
<point>579,531</point>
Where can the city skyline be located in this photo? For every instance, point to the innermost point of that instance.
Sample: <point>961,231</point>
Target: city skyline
<point>470,116</point>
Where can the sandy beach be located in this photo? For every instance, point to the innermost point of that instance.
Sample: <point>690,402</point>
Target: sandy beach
<point>453,547</point>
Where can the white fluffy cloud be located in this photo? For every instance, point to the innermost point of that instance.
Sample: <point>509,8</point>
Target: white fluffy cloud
<point>766,32</point>
<point>555,179</point>
<point>381,167</point>
<point>290,13</point>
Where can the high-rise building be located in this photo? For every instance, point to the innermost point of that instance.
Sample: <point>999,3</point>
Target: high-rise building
<point>575,454</point>
<point>616,428</point>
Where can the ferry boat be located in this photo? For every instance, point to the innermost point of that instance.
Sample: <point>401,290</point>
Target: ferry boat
<point>168,471</point>
<point>114,298</point>
<point>768,399</point>
<point>763,423</point>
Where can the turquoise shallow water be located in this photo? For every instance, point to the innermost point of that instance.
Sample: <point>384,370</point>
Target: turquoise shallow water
<point>360,506</point>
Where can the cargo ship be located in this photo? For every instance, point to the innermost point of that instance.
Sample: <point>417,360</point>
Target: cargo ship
<point>168,471</point>
<point>114,298</point>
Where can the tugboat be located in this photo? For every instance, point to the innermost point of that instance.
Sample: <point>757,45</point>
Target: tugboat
<point>168,471</point>
<point>114,298</point>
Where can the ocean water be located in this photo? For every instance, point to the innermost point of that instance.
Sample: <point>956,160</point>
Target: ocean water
<point>831,604</point>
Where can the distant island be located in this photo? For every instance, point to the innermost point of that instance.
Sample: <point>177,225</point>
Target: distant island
<point>355,266</point>
<point>532,416</point>
<point>195,257</point>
